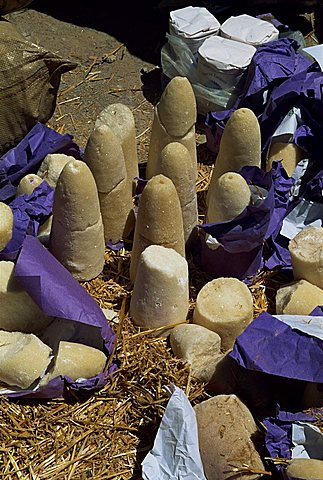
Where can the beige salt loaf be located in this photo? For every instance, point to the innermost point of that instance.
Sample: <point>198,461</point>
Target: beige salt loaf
<point>28,184</point>
<point>44,231</point>
<point>174,121</point>
<point>18,311</point>
<point>288,153</point>
<point>176,163</point>
<point>120,119</point>
<point>226,430</point>
<point>299,298</point>
<point>160,295</point>
<point>76,360</point>
<point>105,158</point>
<point>224,306</point>
<point>198,346</point>
<point>306,250</point>
<point>240,145</point>
<point>77,238</point>
<point>23,358</point>
<point>228,197</point>
<point>6,225</point>
<point>305,468</point>
<point>52,166</point>
<point>159,220</point>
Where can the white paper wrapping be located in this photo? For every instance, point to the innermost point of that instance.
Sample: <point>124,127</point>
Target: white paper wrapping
<point>247,29</point>
<point>175,454</point>
<point>307,441</point>
<point>316,51</point>
<point>311,325</point>
<point>305,214</point>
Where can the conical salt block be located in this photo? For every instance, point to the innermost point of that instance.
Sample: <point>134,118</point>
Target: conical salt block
<point>6,225</point>
<point>226,431</point>
<point>76,360</point>
<point>28,184</point>
<point>160,296</point>
<point>52,166</point>
<point>305,468</point>
<point>224,306</point>
<point>288,153</point>
<point>174,121</point>
<point>44,231</point>
<point>23,358</point>
<point>240,145</point>
<point>77,238</point>
<point>18,311</point>
<point>306,250</point>
<point>120,119</point>
<point>104,155</point>
<point>228,197</point>
<point>159,220</point>
<point>299,298</point>
<point>176,163</point>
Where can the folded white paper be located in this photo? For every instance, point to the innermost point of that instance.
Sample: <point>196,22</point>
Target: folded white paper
<point>316,51</point>
<point>247,29</point>
<point>311,325</point>
<point>307,441</point>
<point>305,214</point>
<point>193,22</point>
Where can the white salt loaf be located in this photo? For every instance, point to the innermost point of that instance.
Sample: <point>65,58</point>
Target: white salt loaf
<point>23,358</point>
<point>6,225</point>
<point>18,311</point>
<point>306,250</point>
<point>28,184</point>
<point>224,306</point>
<point>299,298</point>
<point>52,166</point>
<point>160,296</point>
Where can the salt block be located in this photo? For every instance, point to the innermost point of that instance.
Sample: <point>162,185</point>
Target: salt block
<point>225,431</point>
<point>240,145</point>
<point>76,360</point>
<point>299,298</point>
<point>224,306</point>
<point>23,358</point>
<point>228,197</point>
<point>6,225</point>
<point>306,250</point>
<point>174,121</point>
<point>198,346</point>
<point>120,119</point>
<point>159,220</point>
<point>288,153</point>
<point>18,311</point>
<point>313,396</point>
<point>305,468</point>
<point>177,164</point>
<point>28,184</point>
<point>160,295</point>
<point>44,231</point>
<point>77,238</point>
<point>52,166</point>
<point>104,156</point>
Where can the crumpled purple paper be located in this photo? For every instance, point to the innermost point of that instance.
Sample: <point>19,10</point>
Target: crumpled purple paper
<point>29,212</point>
<point>58,294</point>
<point>241,240</point>
<point>27,155</point>
<point>269,345</point>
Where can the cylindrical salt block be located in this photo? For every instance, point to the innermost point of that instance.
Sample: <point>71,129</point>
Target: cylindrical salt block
<point>77,238</point>
<point>224,306</point>
<point>228,197</point>
<point>177,164</point>
<point>23,358</point>
<point>306,250</point>
<point>240,145</point>
<point>160,296</point>
<point>305,468</point>
<point>18,311</point>
<point>299,298</point>
<point>76,360</point>
<point>28,184</point>
<point>288,153</point>
<point>159,220</point>
<point>52,166</point>
<point>104,156</point>
<point>120,119</point>
<point>6,225</point>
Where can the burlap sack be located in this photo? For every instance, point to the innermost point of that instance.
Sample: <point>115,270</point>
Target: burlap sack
<point>7,6</point>
<point>29,80</point>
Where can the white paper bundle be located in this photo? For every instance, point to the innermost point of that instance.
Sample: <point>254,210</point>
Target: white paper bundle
<point>247,29</point>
